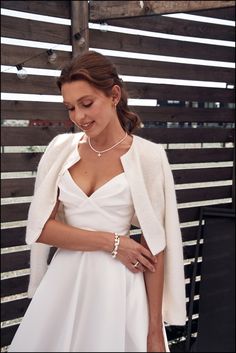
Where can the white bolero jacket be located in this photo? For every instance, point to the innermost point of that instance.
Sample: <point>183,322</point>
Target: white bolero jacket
<point>152,187</point>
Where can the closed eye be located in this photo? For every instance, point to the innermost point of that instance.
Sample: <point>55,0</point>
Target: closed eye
<point>87,105</point>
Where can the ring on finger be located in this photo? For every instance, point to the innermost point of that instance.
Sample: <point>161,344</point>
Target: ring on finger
<point>136,264</point>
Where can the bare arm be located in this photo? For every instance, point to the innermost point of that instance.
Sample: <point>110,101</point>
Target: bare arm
<point>65,236</point>
<point>62,235</point>
<point>154,286</point>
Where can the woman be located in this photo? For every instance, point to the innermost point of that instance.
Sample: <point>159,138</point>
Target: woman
<point>102,291</point>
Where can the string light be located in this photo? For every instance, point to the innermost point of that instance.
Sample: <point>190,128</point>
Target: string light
<point>80,39</point>
<point>52,56</point>
<point>21,72</point>
<point>103,27</point>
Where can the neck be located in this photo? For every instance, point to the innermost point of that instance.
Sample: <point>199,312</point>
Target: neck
<point>108,137</point>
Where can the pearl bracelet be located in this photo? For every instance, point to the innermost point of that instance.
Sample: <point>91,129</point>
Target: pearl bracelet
<point>116,245</point>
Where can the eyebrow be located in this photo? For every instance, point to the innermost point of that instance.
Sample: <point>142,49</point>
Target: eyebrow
<point>79,99</point>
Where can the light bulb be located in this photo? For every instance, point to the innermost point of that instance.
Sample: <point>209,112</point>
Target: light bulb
<point>81,42</point>
<point>52,56</point>
<point>80,39</point>
<point>103,27</point>
<point>21,72</point>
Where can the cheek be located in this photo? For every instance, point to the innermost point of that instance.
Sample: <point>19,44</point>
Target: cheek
<point>71,115</point>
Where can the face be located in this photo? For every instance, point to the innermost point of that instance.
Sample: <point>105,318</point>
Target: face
<point>89,108</point>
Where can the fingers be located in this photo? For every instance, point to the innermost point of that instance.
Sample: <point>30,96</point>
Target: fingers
<point>148,254</point>
<point>135,257</point>
<point>146,264</point>
<point>136,269</point>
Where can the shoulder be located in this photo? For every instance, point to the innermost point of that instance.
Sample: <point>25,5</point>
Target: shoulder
<point>146,146</point>
<point>63,142</point>
<point>65,139</point>
<point>151,155</point>
<point>60,146</point>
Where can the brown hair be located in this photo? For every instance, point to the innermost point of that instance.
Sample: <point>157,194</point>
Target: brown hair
<point>99,71</point>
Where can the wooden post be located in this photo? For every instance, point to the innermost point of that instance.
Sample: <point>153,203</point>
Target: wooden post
<point>79,27</point>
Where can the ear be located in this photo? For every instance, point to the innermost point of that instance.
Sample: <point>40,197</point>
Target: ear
<point>116,94</point>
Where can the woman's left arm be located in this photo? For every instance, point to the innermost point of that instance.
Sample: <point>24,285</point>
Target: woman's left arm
<point>154,282</point>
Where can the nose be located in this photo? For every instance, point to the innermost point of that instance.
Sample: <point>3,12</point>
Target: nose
<point>78,116</point>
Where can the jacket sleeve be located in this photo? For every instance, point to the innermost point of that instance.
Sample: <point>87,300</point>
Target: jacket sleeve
<point>39,252</point>
<point>174,298</point>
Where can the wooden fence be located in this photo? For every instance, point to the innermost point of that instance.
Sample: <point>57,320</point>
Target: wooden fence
<point>194,123</point>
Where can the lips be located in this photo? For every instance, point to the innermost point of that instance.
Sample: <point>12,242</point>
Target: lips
<point>87,125</point>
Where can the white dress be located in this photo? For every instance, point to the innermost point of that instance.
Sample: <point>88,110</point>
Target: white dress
<point>88,301</point>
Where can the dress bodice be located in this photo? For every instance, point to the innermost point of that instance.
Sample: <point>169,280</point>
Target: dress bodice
<point>109,208</point>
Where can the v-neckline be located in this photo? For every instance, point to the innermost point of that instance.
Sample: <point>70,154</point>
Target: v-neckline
<point>99,188</point>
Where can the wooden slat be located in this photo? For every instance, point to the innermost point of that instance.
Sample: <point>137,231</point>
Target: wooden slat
<point>172,92</point>
<point>195,307</point>
<point>159,46</point>
<point>16,236</point>
<point>32,84</point>
<point>100,10</point>
<point>176,26</point>
<point>227,13</point>
<point>181,135</point>
<point>186,6</point>
<point>29,136</point>
<point>19,28</point>
<point>47,85</point>
<point>47,8</point>
<point>188,269</point>
<point>33,110</point>
<point>11,310</point>
<point>13,237</point>
<point>188,289</point>
<point>193,214</point>
<point>173,333</point>
<point>19,162</point>
<point>202,194</point>
<point>15,261</point>
<point>42,136</point>
<point>161,69</point>
<point>200,155</point>
<point>189,233</point>
<point>24,187</point>
<point>184,114</point>
<point>189,215</point>
<point>7,334</point>
<point>17,187</point>
<point>14,212</point>
<point>202,175</point>
<point>189,251</point>
<point>18,212</point>
<point>12,55</point>
<point>12,286</point>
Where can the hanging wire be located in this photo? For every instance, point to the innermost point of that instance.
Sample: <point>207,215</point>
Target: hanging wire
<point>50,50</point>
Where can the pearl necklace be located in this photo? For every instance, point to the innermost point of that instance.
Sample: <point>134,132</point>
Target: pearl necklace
<point>108,149</point>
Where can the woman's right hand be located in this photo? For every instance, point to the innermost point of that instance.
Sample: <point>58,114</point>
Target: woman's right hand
<point>130,252</point>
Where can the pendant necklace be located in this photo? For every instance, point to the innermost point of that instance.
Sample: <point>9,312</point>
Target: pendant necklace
<point>99,153</point>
